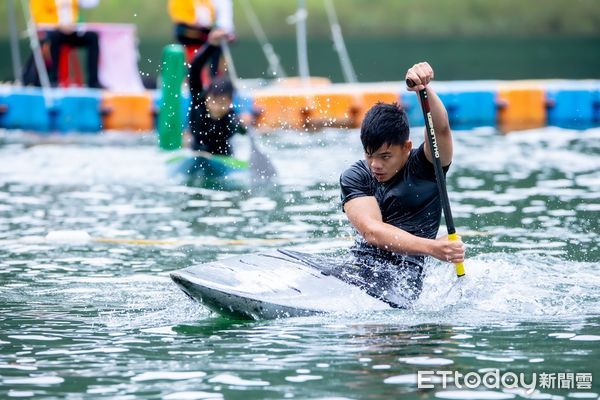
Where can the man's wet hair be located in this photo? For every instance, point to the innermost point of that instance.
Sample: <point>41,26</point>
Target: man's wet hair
<point>220,87</point>
<point>384,124</point>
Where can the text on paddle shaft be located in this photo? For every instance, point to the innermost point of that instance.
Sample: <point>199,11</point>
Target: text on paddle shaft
<point>436,152</point>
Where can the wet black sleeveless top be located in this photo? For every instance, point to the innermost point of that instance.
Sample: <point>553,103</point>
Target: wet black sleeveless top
<point>409,201</point>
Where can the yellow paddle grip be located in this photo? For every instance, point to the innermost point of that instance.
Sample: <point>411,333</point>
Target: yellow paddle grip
<point>460,267</point>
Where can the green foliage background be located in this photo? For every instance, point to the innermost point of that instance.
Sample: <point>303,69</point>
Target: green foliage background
<point>470,39</point>
<point>379,17</point>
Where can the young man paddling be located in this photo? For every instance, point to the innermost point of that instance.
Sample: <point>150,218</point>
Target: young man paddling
<point>212,118</point>
<point>391,198</point>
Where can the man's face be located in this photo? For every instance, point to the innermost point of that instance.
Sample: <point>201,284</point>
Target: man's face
<point>218,106</point>
<point>386,161</point>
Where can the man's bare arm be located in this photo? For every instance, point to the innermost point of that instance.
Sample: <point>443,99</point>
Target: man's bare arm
<point>364,214</point>
<point>421,74</point>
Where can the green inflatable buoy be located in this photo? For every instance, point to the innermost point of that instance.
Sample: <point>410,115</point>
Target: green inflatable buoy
<point>170,118</point>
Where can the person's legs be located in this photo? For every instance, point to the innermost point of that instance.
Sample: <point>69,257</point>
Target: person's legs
<point>398,284</point>
<point>396,280</point>
<point>55,39</point>
<point>89,40</point>
<point>190,35</point>
<point>30,76</point>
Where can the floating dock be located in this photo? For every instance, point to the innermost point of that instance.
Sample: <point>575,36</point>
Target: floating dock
<point>507,105</point>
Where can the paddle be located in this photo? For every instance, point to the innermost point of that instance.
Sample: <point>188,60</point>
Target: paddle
<point>439,175</point>
<point>259,163</point>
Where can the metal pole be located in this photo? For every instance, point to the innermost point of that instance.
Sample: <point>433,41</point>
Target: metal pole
<point>338,41</point>
<point>229,61</point>
<point>272,58</point>
<point>14,43</point>
<point>301,15</point>
<point>37,55</point>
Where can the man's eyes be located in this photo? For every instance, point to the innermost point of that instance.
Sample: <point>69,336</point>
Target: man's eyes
<point>383,157</point>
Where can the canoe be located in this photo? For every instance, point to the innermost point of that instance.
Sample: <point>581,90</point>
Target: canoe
<point>275,284</point>
<point>211,170</point>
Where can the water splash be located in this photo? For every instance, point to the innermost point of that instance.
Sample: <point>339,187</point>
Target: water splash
<point>512,287</point>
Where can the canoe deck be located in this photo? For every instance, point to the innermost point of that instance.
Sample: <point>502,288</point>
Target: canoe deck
<point>271,285</point>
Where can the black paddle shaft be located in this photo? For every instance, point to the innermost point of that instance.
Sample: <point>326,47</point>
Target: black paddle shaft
<point>435,154</point>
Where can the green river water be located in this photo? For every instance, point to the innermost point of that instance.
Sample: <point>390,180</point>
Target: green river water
<point>91,320</point>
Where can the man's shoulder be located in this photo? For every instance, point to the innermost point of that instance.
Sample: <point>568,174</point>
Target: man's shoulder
<point>358,167</point>
<point>418,154</point>
<point>418,161</point>
<point>356,181</point>
<point>356,170</point>
<point>421,165</point>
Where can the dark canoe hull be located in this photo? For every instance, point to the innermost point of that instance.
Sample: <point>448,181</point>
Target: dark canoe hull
<point>211,172</point>
<point>271,285</point>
